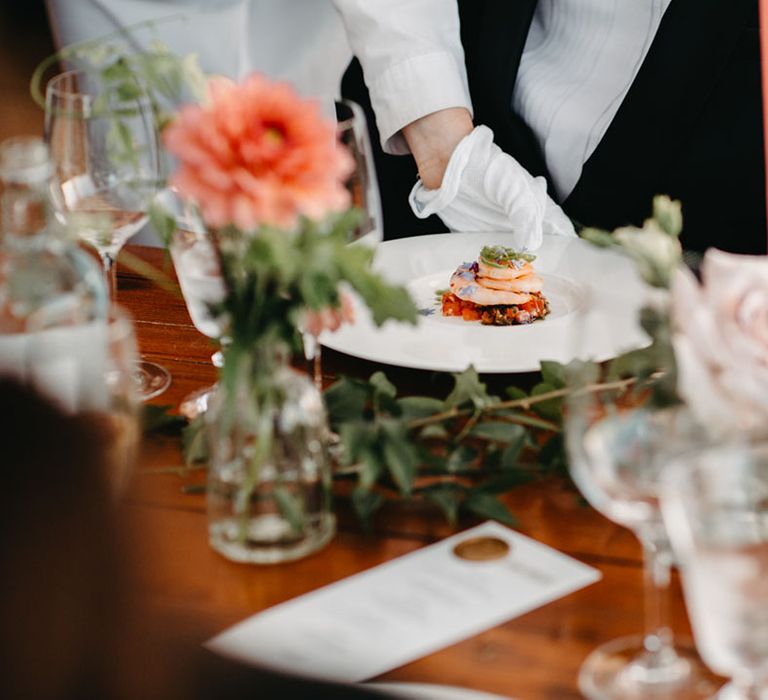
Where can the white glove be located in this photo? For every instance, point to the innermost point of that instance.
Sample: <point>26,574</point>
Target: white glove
<point>485,189</point>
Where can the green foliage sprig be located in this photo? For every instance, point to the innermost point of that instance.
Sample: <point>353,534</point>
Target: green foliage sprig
<point>656,250</point>
<point>654,247</point>
<point>460,453</point>
<point>131,69</point>
<point>273,277</point>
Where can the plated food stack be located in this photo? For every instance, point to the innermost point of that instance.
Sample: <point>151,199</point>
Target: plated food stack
<point>500,288</point>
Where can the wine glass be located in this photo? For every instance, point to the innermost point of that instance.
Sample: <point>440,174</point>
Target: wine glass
<point>618,443</point>
<point>715,504</point>
<point>104,146</point>
<point>199,274</point>
<point>363,186</point>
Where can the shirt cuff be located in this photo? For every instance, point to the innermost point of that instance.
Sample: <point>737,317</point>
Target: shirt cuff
<point>412,89</point>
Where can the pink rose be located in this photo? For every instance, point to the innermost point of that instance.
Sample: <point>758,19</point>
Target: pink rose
<point>721,341</point>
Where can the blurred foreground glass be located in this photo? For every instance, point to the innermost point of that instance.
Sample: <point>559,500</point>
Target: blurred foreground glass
<point>618,444</point>
<point>101,388</point>
<point>715,504</point>
<point>105,150</point>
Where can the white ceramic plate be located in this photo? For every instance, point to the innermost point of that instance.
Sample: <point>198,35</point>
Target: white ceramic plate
<point>578,277</point>
<point>428,691</point>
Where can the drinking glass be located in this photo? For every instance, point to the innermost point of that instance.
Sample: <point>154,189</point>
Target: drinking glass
<point>104,146</point>
<point>363,186</point>
<point>88,369</point>
<point>362,183</point>
<point>618,444</point>
<point>199,274</point>
<point>715,504</point>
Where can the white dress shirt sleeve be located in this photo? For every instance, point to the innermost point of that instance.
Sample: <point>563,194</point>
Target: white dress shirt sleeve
<point>412,59</point>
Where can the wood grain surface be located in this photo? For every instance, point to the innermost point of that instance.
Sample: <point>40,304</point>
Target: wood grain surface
<point>533,656</point>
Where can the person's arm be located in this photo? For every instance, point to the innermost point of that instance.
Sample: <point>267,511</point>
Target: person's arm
<point>413,63</point>
<point>433,138</point>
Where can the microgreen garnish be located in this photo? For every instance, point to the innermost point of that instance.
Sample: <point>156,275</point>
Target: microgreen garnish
<point>501,256</point>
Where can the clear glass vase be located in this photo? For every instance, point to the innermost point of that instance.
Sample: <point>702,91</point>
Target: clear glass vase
<point>269,483</point>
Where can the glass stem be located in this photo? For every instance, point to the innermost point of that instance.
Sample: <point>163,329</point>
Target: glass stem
<point>317,369</point>
<point>657,639</point>
<point>110,274</point>
<point>218,357</point>
<point>314,360</point>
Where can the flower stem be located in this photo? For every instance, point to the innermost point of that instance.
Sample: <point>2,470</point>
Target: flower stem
<point>525,403</point>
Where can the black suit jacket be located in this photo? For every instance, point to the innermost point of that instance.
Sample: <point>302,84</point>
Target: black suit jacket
<point>690,125</point>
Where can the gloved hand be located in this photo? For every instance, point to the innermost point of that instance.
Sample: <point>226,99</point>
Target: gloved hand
<point>485,189</point>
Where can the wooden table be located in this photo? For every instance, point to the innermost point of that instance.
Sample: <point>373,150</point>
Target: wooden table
<point>535,656</point>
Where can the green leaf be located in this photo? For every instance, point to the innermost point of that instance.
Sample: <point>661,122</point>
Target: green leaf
<point>384,393</point>
<point>515,393</point>
<point>654,321</point>
<point>436,431</point>
<point>366,503</point>
<point>372,467</point>
<point>116,72</point>
<point>553,373</point>
<point>668,214</point>
<point>291,508</point>
<point>488,506</point>
<point>582,373</point>
<point>163,223</point>
<point>194,445</point>
<point>357,437</point>
<point>384,300</point>
<point>413,407</point>
<point>346,400</point>
<point>510,457</point>
<point>551,409</point>
<point>506,482</point>
<point>598,237</point>
<point>448,500</point>
<point>552,455</point>
<point>469,389</point>
<point>381,385</point>
<point>635,363</point>
<point>517,416</point>
<point>491,458</point>
<point>499,432</point>
<point>400,456</point>
<point>160,419</point>
<point>122,148</point>
<point>460,459</point>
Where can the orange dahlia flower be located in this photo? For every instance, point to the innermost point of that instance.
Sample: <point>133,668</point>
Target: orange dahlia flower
<point>256,153</point>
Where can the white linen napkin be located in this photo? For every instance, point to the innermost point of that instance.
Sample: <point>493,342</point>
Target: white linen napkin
<point>485,189</point>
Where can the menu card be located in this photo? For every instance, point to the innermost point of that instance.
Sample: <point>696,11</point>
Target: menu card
<point>409,607</point>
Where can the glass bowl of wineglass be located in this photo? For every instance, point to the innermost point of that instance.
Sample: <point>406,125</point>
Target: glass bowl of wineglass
<point>104,145</point>
<point>620,435</point>
<point>199,273</point>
